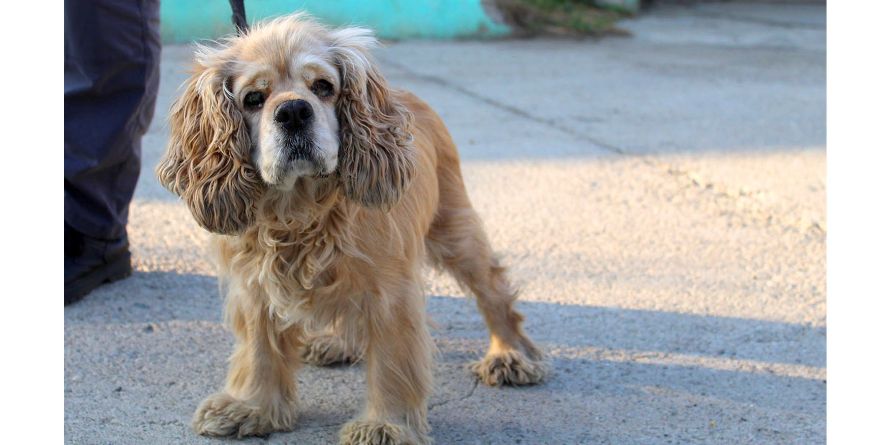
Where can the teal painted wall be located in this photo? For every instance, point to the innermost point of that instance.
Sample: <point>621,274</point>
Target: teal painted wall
<point>187,20</point>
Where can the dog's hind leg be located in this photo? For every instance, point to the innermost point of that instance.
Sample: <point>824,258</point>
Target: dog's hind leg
<point>458,244</point>
<point>328,347</point>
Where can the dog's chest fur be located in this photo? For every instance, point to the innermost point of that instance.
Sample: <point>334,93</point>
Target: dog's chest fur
<point>291,258</point>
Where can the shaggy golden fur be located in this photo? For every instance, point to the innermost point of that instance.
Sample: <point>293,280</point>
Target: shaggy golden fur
<point>320,254</point>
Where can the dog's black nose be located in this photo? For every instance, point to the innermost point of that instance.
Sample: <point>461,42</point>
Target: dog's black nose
<point>294,114</point>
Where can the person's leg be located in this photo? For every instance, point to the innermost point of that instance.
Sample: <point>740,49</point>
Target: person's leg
<point>112,55</point>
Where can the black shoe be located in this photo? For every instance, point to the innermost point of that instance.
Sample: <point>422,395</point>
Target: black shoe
<point>91,262</point>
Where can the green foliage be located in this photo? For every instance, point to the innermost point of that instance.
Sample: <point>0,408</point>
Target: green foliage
<point>561,17</point>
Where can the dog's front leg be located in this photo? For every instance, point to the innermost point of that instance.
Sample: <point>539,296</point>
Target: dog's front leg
<point>398,361</point>
<point>260,394</point>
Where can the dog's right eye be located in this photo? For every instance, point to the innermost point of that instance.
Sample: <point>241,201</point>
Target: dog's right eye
<point>254,100</point>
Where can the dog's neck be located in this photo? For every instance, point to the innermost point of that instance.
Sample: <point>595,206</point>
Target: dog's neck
<point>310,200</point>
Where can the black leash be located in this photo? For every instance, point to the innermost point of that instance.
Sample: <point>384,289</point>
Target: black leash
<point>239,17</point>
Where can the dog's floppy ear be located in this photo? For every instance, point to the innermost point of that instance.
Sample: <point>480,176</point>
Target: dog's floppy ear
<point>207,162</point>
<point>376,156</point>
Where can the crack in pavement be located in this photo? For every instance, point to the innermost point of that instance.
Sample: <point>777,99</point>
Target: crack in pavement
<point>505,107</point>
<point>469,394</point>
<point>758,21</point>
<point>458,399</point>
<point>671,171</point>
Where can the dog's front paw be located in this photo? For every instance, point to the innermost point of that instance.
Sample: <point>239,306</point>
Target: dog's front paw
<point>509,367</point>
<point>363,432</point>
<point>223,415</point>
<point>326,350</point>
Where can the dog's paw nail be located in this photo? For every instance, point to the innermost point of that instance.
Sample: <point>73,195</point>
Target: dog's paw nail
<point>360,432</point>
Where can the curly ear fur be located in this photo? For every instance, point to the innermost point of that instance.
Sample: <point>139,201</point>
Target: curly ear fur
<point>376,156</point>
<point>207,161</point>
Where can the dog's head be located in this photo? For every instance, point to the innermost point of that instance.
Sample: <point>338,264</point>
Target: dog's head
<point>290,99</point>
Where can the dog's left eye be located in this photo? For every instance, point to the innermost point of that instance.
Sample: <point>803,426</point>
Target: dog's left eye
<point>254,100</point>
<point>322,88</point>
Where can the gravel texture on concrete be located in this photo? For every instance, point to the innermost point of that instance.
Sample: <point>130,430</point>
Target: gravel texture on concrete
<point>660,200</point>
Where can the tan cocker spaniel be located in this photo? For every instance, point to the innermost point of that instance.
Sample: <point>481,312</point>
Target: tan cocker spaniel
<point>327,190</point>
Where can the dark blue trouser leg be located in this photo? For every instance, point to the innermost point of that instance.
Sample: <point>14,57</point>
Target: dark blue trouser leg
<point>112,56</point>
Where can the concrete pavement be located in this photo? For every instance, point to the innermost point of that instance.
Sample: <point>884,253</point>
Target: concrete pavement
<point>660,200</point>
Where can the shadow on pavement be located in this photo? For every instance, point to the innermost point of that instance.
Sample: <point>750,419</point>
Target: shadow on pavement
<point>165,342</point>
